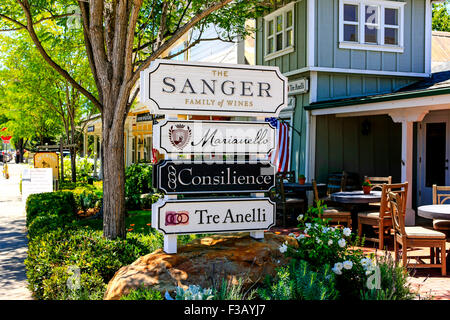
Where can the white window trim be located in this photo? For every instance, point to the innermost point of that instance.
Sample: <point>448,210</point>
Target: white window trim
<point>272,17</point>
<point>381,46</point>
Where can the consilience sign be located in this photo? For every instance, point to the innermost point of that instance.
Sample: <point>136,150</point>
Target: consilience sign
<point>175,217</point>
<point>178,87</point>
<point>219,137</point>
<point>185,177</point>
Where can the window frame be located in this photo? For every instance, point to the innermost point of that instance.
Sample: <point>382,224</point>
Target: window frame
<point>381,25</point>
<point>272,17</point>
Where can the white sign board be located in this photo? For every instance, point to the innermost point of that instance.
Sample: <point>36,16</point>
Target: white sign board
<point>36,180</point>
<point>178,87</point>
<point>298,86</point>
<point>219,137</point>
<point>176,217</point>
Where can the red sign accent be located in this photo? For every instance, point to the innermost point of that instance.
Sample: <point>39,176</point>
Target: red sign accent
<point>6,139</point>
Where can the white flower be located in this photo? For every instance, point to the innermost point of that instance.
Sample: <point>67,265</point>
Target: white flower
<point>291,235</point>
<point>368,272</point>
<point>347,232</point>
<point>319,241</point>
<point>301,236</point>
<point>283,248</point>
<point>342,243</point>
<point>300,217</point>
<point>308,225</point>
<point>337,271</point>
<point>330,242</point>
<point>348,265</point>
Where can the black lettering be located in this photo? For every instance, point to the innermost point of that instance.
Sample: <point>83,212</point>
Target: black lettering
<point>245,88</point>
<point>169,84</point>
<point>205,84</point>
<point>266,89</point>
<point>231,87</point>
<point>188,84</point>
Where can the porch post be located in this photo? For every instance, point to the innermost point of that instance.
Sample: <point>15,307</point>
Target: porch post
<point>406,169</point>
<point>407,119</point>
<point>85,140</point>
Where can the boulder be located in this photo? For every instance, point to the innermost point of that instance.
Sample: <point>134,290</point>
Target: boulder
<point>205,262</point>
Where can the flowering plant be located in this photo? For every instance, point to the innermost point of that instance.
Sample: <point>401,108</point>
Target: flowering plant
<point>321,244</point>
<point>367,183</point>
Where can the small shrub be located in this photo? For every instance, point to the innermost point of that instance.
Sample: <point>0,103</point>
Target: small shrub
<point>59,203</point>
<point>138,180</point>
<point>143,294</point>
<point>233,291</point>
<point>388,282</point>
<point>84,248</point>
<point>298,282</point>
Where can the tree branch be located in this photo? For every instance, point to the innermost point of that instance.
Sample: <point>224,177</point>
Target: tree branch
<point>177,35</point>
<point>29,27</point>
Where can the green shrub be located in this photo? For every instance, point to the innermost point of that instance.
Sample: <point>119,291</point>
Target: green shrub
<point>233,291</point>
<point>389,281</point>
<point>85,286</point>
<point>59,203</point>
<point>85,249</point>
<point>143,294</point>
<point>138,180</point>
<point>45,223</point>
<point>298,282</point>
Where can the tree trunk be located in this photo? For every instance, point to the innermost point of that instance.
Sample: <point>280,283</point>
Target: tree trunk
<point>73,165</point>
<point>113,176</point>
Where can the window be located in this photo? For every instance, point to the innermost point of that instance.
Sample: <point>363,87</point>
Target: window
<point>371,25</point>
<point>279,32</point>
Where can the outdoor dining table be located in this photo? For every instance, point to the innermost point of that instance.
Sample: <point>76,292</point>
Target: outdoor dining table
<point>434,211</point>
<point>300,189</point>
<point>355,201</point>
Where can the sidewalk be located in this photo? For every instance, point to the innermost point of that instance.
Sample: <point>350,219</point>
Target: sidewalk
<point>13,241</point>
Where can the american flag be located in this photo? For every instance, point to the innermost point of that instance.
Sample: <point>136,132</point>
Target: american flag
<point>280,156</point>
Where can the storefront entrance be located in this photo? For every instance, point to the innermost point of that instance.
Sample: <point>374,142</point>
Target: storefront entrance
<point>433,154</point>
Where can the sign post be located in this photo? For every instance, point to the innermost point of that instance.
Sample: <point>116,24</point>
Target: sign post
<point>174,87</point>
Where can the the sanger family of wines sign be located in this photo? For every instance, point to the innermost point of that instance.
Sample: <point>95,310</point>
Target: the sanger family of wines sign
<point>218,137</point>
<point>171,87</point>
<point>185,177</point>
<point>217,215</point>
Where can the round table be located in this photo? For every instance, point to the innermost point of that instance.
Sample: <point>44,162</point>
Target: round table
<point>435,211</point>
<point>356,201</point>
<point>356,197</point>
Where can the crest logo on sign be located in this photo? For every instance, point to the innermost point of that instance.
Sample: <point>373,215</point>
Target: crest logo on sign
<point>180,135</point>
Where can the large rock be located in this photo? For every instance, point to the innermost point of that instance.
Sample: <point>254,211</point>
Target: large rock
<point>203,262</point>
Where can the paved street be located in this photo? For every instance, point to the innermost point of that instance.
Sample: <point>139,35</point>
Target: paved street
<point>13,241</point>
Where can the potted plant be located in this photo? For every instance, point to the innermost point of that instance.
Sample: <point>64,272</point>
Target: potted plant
<point>367,186</point>
<point>301,179</point>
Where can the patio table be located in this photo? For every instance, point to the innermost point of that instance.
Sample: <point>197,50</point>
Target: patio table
<point>355,201</point>
<point>435,211</point>
<point>301,189</point>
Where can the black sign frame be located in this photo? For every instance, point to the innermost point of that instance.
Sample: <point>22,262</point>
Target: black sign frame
<point>223,172</point>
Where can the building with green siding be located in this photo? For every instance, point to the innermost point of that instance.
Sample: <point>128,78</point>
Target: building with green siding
<point>359,75</point>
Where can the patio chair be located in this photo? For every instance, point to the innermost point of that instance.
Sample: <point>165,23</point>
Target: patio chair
<point>333,214</point>
<point>409,237</point>
<point>283,202</point>
<point>377,184</point>
<point>380,218</point>
<point>441,194</point>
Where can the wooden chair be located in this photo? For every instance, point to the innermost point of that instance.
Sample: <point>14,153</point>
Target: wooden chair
<point>381,218</point>
<point>441,194</point>
<point>409,237</point>
<point>333,214</point>
<point>377,182</point>
<point>283,202</point>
